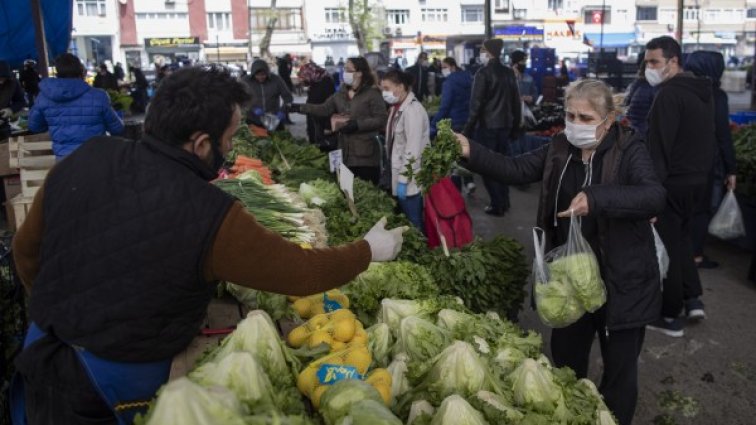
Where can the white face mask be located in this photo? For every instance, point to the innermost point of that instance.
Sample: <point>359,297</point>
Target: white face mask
<point>484,58</point>
<point>445,72</point>
<point>582,136</point>
<point>655,76</point>
<point>390,98</point>
<point>348,78</point>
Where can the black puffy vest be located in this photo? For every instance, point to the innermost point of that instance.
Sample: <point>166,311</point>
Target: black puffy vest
<point>127,227</point>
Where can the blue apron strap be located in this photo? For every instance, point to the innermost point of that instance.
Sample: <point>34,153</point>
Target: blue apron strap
<point>127,388</point>
<point>16,393</point>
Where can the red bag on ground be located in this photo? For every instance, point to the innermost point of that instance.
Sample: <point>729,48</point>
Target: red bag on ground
<point>446,214</point>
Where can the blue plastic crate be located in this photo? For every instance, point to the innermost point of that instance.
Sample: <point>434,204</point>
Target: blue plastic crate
<point>745,117</point>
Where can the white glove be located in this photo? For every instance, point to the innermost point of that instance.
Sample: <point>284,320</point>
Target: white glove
<point>385,244</point>
<point>6,113</point>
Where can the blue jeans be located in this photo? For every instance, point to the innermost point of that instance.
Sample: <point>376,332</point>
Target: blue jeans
<point>497,140</point>
<point>412,207</point>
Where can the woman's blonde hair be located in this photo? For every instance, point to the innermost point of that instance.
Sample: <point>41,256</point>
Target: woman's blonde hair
<point>596,92</point>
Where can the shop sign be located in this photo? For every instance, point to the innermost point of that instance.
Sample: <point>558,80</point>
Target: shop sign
<point>171,41</point>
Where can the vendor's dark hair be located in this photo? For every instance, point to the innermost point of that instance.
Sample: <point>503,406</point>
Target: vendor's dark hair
<point>194,99</point>
<point>68,66</point>
<point>669,46</point>
<point>361,65</point>
<point>400,78</point>
<point>451,62</point>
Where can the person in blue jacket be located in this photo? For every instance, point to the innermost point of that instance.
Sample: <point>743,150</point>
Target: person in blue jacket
<point>70,109</point>
<point>455,104</point>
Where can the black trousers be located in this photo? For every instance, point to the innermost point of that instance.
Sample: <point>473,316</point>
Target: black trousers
<point>370,174</point>
<point>497,140</point>
<point>675,229</point>
<point>571,346</point>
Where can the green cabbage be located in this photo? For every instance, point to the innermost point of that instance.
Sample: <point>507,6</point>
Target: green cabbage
<point>370,412</point>
<point>455,410</point>
<point>240,373</point>
<point>398,370</point>
<point>393,310</point>
<point>183,402</point>
<point>420,339</point>
<point>557,304</point>
<point>496,408</point>
<point>488,332</point>
<point>337,401</point>
<point>508,358</point>
<point>421,413</point>
<point>380,342</point>
<point>581,270</point>
<point>396,279</point>
<point>276,419</point>
<point>533,386</point>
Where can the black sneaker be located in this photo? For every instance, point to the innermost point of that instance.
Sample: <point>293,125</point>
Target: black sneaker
<point>694,309</point>
<point>496,212</point>
<point>667,326</point>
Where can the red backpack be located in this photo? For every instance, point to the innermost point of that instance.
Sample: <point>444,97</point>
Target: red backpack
<point>446,214</point>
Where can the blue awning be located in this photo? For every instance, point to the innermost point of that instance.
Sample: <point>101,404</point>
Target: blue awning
<point>17,29</point>
<point>612,39</point>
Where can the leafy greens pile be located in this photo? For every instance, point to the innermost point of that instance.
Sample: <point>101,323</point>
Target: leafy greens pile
<point>437,159</point>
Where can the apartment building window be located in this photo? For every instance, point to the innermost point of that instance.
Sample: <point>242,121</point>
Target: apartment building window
<point>161,15</point>
<point>691,13</point>
<point>646,13</point>
<point>335,15</point>
<point>595,16</point>
<point>435,15</point>
<point>472,14</point>
<point>556,4</point>
<point>520,14</point>
<point>667,16</point>
<point>501,6</point>
<point>397,16</point>
<point>219,21</point>
<point>752,13</point>
<point>91,7</point>
<point>288,18</point>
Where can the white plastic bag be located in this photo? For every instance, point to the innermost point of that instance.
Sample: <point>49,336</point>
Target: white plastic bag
<point>728,221</point>
<point>661,254</point>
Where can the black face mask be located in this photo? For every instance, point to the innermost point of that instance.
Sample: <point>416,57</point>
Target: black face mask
<point>521,67</point>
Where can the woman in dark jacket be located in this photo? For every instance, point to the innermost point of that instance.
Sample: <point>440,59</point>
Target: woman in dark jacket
<point>639,98</point>
<point>604,174</point>
<point>360,113</point>
<point>319,88</point>
<point>712,65</point>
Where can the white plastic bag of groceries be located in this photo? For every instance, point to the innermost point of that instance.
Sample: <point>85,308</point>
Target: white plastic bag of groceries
<point>728,221</point>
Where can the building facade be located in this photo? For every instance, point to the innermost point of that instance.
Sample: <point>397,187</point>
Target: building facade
<point>95,35</point>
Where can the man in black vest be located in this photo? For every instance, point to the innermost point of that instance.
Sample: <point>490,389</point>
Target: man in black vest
<point>123,246</point>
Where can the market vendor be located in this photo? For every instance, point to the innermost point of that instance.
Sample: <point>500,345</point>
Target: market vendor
<point>124,244</point>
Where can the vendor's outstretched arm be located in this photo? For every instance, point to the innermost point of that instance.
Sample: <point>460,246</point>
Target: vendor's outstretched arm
<point>246,253</point>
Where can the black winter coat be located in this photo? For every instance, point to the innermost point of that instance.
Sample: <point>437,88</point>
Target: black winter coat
<point>628,195</point>
<point>495,99</point>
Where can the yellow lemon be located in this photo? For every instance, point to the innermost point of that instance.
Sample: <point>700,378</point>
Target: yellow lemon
<point>317,394</point>
<point>385,392</point>
<point>298,336</point>
<point>320,337</point>
<point>307,380</point>
<point>379,376</point>
<point>302,306</point>
<point>344,329</point>
<point>360,358</point>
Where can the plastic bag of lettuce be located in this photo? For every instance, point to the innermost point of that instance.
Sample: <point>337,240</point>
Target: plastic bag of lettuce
<point>567,280</point>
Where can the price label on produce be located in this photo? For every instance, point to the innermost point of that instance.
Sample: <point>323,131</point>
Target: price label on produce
<point>346,181</point>
<point>334,159</point>
<point>329,374</point>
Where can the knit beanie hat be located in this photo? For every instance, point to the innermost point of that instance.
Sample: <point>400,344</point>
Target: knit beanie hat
<point>494,46</point>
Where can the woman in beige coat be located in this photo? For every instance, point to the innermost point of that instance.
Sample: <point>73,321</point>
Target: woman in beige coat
<point>407,134</point>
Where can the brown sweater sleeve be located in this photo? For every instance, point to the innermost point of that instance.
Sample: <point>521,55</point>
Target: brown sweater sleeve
<point>27,242</point>
<point>246,253</point>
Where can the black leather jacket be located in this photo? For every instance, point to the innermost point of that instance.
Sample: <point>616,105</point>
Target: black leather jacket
<point>495,100</point>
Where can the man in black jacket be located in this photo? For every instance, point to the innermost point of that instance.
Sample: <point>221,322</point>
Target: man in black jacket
<point>682,142</point>
<point>11,98</point>
<point>495,111</point>
<point>419,72</point>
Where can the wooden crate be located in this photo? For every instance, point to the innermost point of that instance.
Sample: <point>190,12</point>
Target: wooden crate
<point>17,209</point>
<point>32,180</point>
<point>31,152</point>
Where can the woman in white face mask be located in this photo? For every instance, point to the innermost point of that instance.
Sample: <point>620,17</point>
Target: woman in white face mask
<point>407,134</point>
<point>603,173</point>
